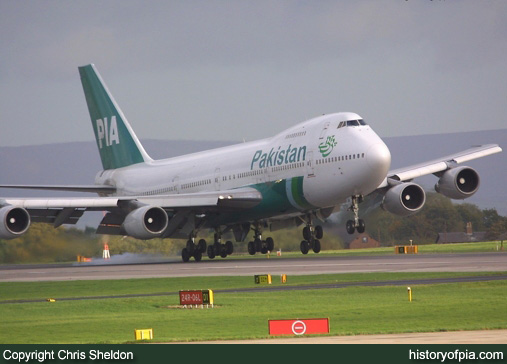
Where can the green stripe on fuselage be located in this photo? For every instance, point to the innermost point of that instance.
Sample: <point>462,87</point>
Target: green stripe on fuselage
<point>297,194</point>
<point>281,197</point>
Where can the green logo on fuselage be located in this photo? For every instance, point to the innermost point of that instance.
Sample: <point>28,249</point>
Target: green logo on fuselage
<point>278,157</point>
<point>326,147</point>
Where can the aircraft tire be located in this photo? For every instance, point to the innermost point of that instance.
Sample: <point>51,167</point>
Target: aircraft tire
<point>307,234</point>
<point>218,248</point>
<point>211,252</point>
<point>304,246</point>
<point>350,227</point>
<point>361,227</point>
<point>223,251</point>
<point>251,248</point>
<point>270,243</point>
<point>202,246</point>
<point>190,247</point>
<point>229,247</point>
<point>185,255</point>
<point>264,247</point>
<point>197,255</point>
<point>316,246</point>
<point>319,232</point>
<point>258,245</point>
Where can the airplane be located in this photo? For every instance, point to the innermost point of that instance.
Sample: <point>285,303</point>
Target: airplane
<point>300,176</point>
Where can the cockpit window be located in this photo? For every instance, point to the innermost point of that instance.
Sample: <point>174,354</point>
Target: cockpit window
<point>351,123</point>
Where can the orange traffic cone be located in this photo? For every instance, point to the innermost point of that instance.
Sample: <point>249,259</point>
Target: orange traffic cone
<point>105,252</point>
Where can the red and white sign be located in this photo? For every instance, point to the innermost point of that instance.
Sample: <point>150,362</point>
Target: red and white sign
<point>299,327</point>
<point>190,297</point>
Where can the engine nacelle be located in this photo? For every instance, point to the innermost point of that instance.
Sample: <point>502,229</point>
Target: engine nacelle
<point>14,222</point>
<point>146,222</point>
<point>458,183</point>
<point>404,199</point>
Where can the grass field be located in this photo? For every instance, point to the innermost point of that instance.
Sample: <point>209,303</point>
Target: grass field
<point>351,310</point>
<point>487,246</point>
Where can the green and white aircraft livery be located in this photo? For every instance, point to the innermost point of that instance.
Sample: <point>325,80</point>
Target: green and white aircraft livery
<point>278,157</point>
<point>298,177</point>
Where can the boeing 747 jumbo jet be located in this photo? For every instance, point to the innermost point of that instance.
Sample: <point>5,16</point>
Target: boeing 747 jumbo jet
<point>296,177</point>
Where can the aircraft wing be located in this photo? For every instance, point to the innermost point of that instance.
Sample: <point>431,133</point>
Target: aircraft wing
<point>60,211</point>
<point>69,188</point>
<point>237,198</point>
<point>440,164</point>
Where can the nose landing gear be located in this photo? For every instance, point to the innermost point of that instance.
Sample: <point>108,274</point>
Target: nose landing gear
<point>356,224</point>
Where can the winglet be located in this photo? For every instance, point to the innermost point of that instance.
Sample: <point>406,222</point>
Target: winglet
<point>118,144</point>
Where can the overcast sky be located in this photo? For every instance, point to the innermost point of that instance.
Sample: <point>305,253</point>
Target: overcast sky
<point>234,70</point>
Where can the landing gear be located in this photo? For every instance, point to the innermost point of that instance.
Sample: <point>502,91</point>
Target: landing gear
<point>357,223</point>
<point>217,248</point>
<point>311,234</point>
<point>259,245</point>
<point>193,250</point>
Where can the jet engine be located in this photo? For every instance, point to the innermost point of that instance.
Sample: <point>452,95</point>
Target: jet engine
<point>14,222</point>
<point>146,222</point>
<point>404,199</point>
<point>458,183</point>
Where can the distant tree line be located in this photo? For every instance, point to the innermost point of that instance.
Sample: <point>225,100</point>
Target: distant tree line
<point>438,215</point>
<point>43,243</point>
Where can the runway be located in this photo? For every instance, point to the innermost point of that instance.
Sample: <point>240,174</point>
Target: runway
<point>306,265</point>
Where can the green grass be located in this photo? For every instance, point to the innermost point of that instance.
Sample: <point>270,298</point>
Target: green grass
<point>488,246</point>
<point>49,289</point>
<point>479,247</point>
<point>352,310</point>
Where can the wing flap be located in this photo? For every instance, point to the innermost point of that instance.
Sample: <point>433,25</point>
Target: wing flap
<point>56,217</point>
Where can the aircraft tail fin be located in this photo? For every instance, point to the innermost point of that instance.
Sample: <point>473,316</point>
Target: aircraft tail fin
<point>118,144</point>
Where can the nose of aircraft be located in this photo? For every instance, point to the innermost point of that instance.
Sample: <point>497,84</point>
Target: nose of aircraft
<point>379,159</point>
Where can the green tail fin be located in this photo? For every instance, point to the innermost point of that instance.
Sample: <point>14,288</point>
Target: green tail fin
<point>118,145</point>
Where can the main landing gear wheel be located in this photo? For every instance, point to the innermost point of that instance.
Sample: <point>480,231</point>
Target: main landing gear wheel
<point>202,246</point>
<point>319,232</point>
<point>193,250</point>
<point>229,247</point>
<point>217,248</point>
<point>259,245</point>
<point>316,246</point>
<point>304,247</point>
<point>251,248</point>
<point>185,255</point>
<point>270,243</point>
<point>311,235</point>
<point>211,252</point>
